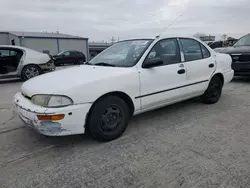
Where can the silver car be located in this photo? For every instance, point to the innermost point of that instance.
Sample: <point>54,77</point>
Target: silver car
<point>16,61</point>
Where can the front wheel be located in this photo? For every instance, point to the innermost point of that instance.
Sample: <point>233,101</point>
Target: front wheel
<point>30,71</point>
<point>213,92</point>
<point>108,118</point>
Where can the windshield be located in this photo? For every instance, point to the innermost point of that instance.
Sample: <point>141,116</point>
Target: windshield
<point>122,54</point>
<point>61,53</point>
<point>244,41</point>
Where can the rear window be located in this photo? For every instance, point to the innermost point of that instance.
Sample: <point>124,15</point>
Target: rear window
<point>205,52</point>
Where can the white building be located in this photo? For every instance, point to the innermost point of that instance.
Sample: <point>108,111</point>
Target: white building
<point>45,42</point>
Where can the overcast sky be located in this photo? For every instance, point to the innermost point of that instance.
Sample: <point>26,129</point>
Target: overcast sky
<point>102,19</point>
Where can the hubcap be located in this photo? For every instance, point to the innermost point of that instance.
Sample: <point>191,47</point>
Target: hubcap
<point>111,118</point>
<point>31,72</point>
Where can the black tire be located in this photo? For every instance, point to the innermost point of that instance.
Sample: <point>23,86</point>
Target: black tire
<point>213,92</point>
<point>36,72</point>
<point>108,118</point>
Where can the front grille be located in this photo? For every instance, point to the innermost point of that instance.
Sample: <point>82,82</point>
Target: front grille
<point>240,57</point>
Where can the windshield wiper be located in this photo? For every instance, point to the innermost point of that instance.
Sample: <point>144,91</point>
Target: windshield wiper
<point>104,64</point>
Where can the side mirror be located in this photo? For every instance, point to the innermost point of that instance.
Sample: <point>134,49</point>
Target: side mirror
<point>152,63</point>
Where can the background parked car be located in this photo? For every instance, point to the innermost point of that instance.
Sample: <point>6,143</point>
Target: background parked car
<point>216,44</point>
<point>69,57</point>
<point>16,61</point>
<point>222,44</point>
<point>240,53</point>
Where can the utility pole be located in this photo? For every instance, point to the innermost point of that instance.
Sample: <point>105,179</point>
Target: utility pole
<point>112,39</point>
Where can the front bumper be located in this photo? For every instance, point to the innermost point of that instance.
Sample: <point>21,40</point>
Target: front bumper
<point>48,67</point>
<point>73,122</point>
<point>241,68</point>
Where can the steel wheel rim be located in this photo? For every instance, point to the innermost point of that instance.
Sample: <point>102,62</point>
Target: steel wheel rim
<point>111,118</point>
<point>31,72</point>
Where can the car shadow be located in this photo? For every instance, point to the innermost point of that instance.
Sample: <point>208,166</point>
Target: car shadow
<point>10,80</point>
<point>138,120</point>
<point>241,79</point>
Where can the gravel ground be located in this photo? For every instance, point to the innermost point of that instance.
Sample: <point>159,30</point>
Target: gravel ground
<point>188,144</point>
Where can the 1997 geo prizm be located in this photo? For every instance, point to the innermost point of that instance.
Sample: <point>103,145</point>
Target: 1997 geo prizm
<point>128,78</point>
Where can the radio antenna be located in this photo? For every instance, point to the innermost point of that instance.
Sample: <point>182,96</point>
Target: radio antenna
<point>165,28</point>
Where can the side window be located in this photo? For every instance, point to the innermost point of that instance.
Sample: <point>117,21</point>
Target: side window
<point>205,52</point>
<point>4,53</point>
<point>13,53</point>
<point>191,49</point>
<point>167,50</point>
<point>7,53</point>
<point>66,53</point>
<point>73,53</point>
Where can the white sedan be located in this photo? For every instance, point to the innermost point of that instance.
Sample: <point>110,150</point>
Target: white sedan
<point>17,61</point>
<point>128,78</point>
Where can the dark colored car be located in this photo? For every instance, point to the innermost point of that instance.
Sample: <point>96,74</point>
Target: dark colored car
<point>216,44</point>
<point>69,58</point>
<point>240,53</point>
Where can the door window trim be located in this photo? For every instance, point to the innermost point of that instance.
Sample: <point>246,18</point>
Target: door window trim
<point>171,89</point>
<point>178,45</point>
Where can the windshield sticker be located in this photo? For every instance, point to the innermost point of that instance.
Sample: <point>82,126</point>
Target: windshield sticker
<point>139,42</point>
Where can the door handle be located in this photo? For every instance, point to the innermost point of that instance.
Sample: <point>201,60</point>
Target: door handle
<point>211,65</point>
<point>181,71</point>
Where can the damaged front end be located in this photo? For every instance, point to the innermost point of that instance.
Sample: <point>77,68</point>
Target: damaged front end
<point>48,67</point>
<point>52,121</point>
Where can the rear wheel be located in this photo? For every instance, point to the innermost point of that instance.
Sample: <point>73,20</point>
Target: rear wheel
<point>108,118</point>
<point>213,92</point>
<point>30,71</point>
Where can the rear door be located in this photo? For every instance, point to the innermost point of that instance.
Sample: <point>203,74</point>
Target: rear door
<point>200,65</point>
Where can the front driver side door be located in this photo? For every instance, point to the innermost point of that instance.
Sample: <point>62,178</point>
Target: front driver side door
<point>162,85</point>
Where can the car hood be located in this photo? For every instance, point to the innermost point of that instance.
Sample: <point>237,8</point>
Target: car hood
<point>236,49</point>
<point>64,81</point>
<point>33,57</point>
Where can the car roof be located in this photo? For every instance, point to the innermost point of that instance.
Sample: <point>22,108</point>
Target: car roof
<point>165,36</point>
<point>16,47</point>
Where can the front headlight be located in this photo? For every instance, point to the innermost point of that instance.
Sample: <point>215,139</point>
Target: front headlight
<point>51,101</point>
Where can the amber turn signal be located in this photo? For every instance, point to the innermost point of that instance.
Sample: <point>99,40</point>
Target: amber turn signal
<point>50,117</point>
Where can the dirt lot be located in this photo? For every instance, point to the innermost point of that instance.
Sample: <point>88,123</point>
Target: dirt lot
<point>184,145</point>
